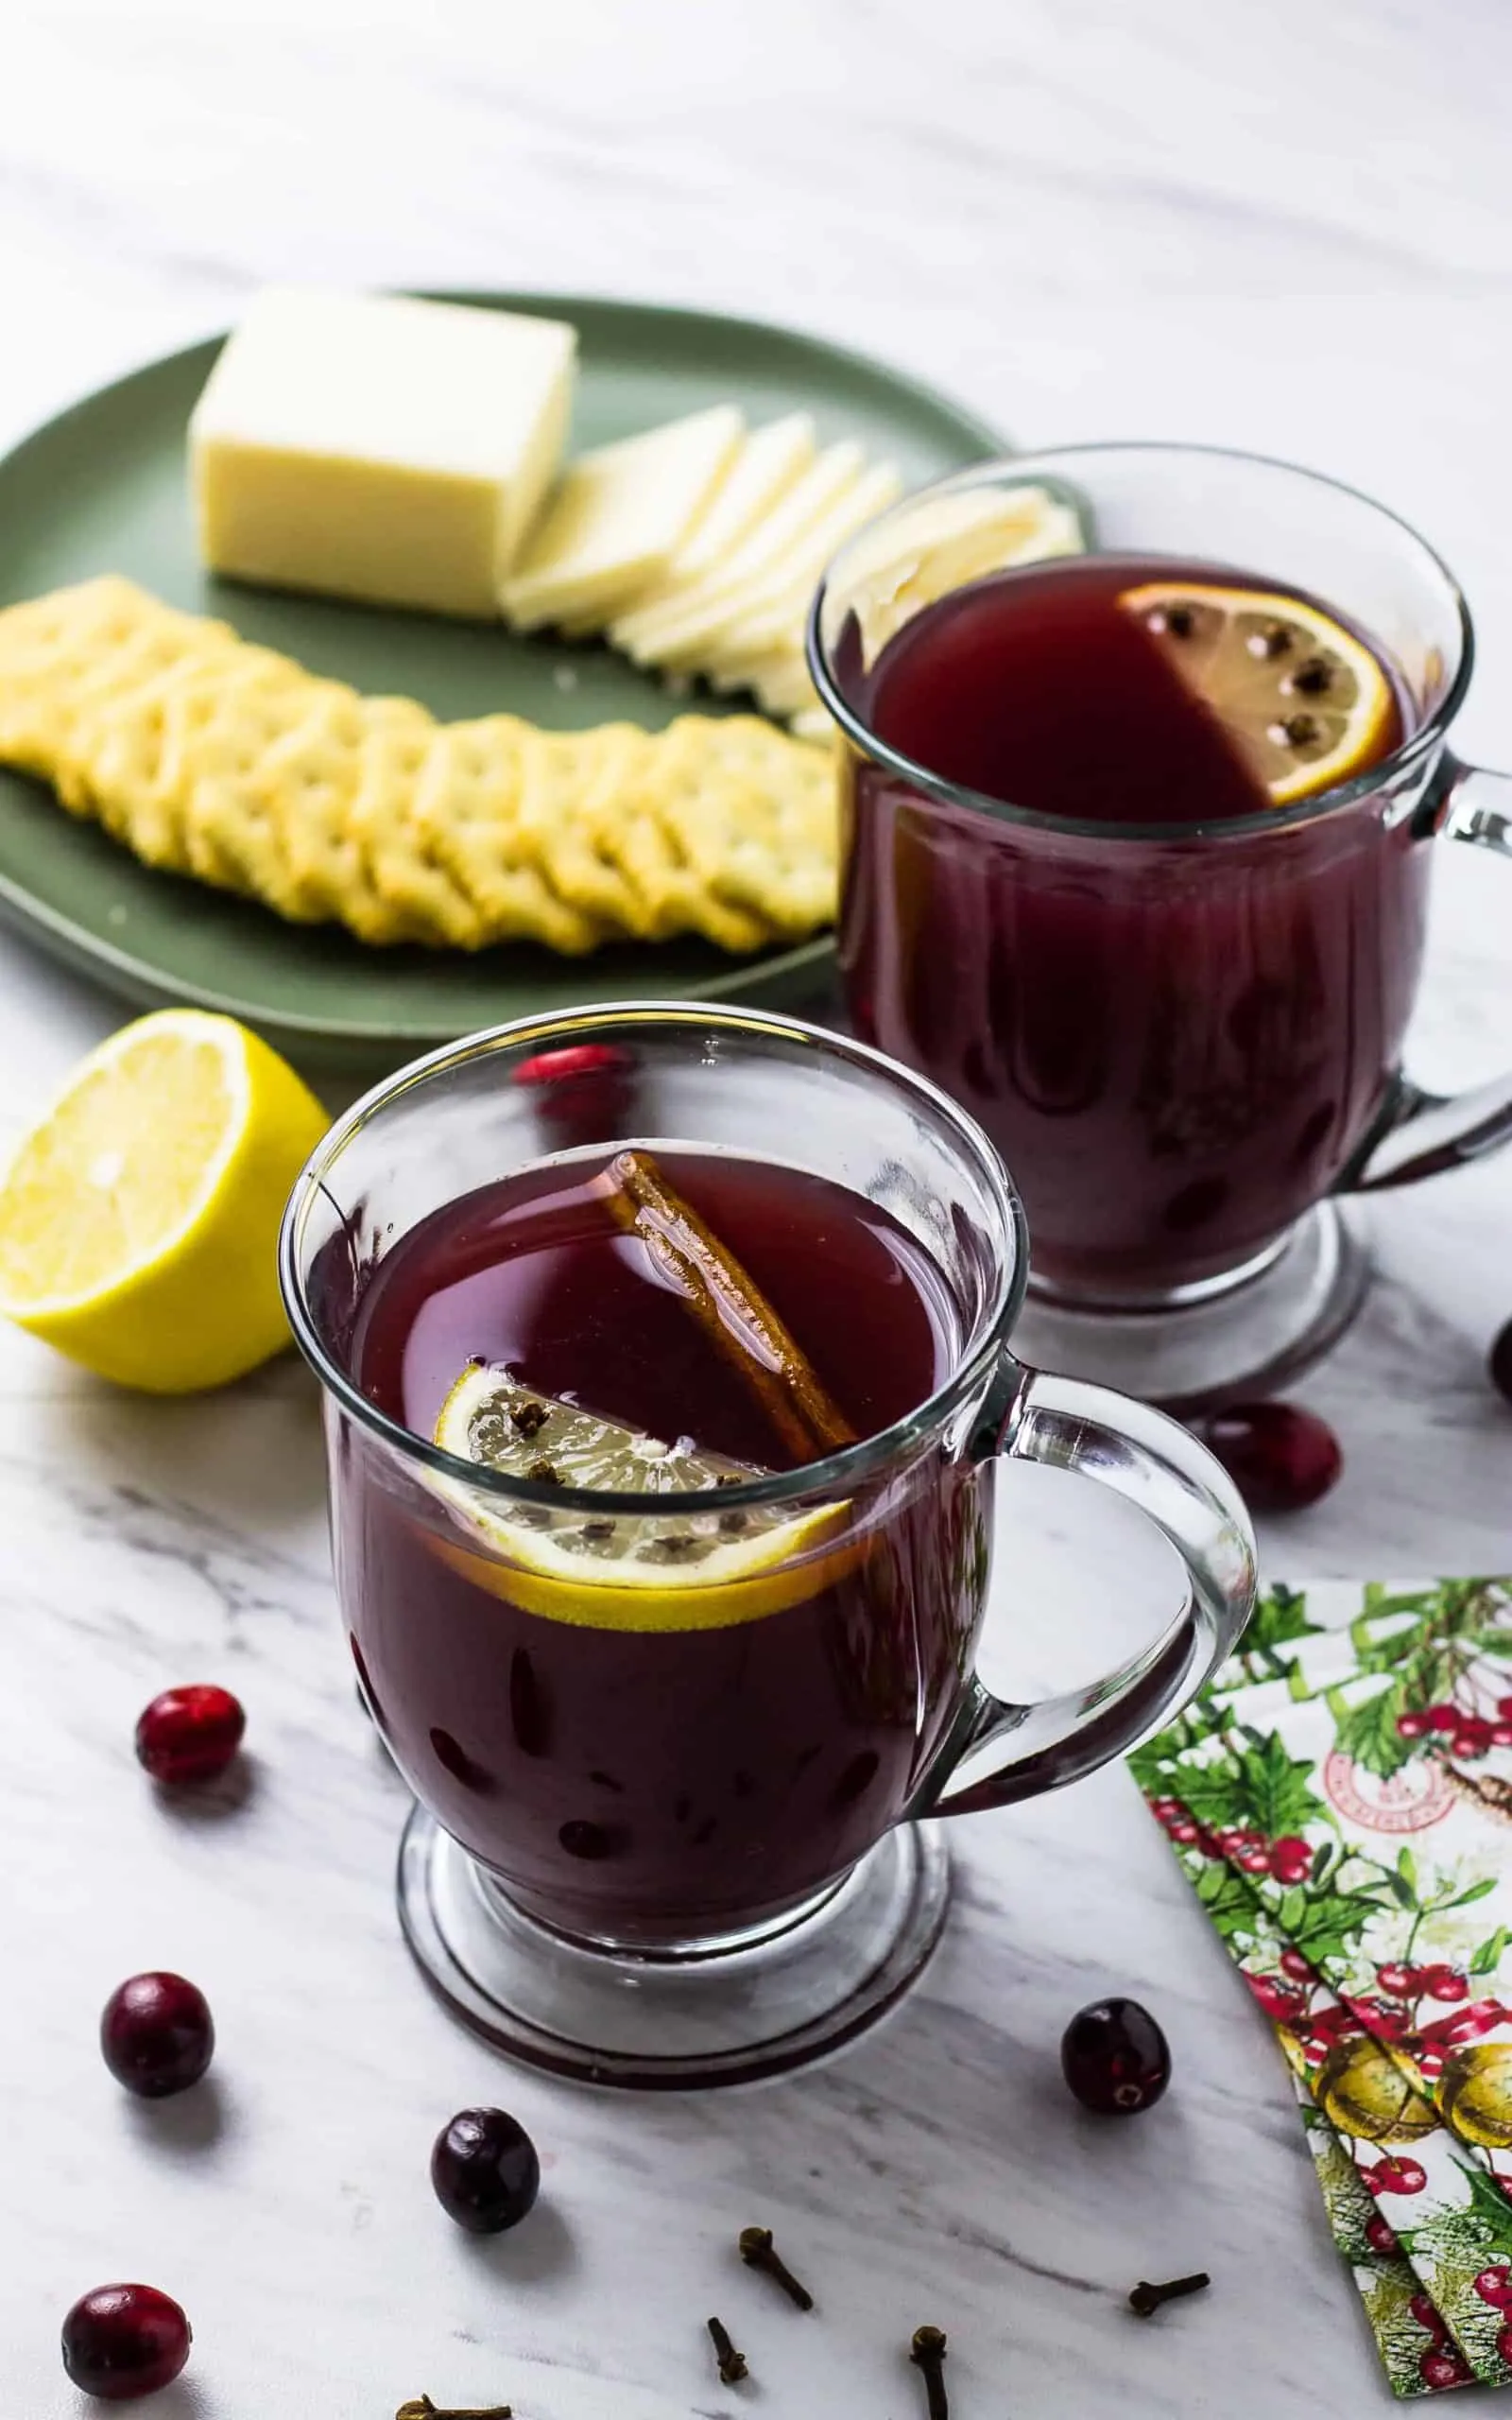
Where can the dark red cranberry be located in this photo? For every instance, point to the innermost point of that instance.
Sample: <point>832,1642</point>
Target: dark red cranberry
<point>1412,1726</point>
<point>122,2341</point>
<point>1400,1981</point>
<point>157,2035</point>
<point>1443,2366</point>
<point>1494,2285</point>
<point>585,1091</point>
<point>1115,2058</point>
<point>189,1735</point>
<point>1281,1458</point>
<point>1293,1963</point>
<point>1427,2314</point>
<point>1499,1362</point>
<point>1380,2237</point>
<point>485,2170</point>
<point>1446,1717</point>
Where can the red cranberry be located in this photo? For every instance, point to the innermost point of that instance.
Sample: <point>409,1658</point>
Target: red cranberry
<point>485,2170</point>
<point>157,2035</point>
<point>1494,2285</point>
<point>585,1091</point>
<point>1412,1726</point>
<point>1294,1964</point>
<point>1400,1981</point>
<point>1115,2058</point>
<point>190,1735</point>
<point>1504,1707</point>
<point>1502,1734</point>
<point>1281,1457</point>
<point>1183,1832</point>
<point>1380,2237</point>
<point>1499,1362</point>
<point>1399,2176</point>
<point>1427,2314</point>
<point>1290,1859</point>
<point>123,2340</point>
<point>1443,2367</point>
<point>1447,1717</point>
<point>1253,1862</point>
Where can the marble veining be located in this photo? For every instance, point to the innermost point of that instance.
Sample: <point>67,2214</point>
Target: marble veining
<point>1291,231</point>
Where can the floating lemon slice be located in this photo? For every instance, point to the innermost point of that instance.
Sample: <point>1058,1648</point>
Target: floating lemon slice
<point>1305,702</point>
<point>139,1220</point>
<point>645,1571</point>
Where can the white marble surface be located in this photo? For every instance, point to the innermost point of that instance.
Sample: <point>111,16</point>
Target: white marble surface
<point>1290,227</point>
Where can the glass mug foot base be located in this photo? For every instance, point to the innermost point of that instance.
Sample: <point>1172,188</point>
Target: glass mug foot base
<point>1247,1337</point>
<point>759,2008</point>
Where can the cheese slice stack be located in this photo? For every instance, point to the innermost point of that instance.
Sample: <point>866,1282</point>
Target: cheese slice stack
<point>617,520</point>
<point>697,548</point>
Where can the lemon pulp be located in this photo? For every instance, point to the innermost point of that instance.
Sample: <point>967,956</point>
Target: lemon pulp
<point>1306,704</point>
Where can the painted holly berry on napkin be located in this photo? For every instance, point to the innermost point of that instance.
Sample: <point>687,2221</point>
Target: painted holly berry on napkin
<point>1342,1800</point>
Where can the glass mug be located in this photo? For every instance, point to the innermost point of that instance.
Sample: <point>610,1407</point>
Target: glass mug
<point>691,1853</point>
<point>1185,1040</point>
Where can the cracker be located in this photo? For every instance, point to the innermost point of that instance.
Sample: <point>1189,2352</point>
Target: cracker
<point>754,814</point>
<point>572,784</point>
<point>403,889</point>
<point>468,811</point>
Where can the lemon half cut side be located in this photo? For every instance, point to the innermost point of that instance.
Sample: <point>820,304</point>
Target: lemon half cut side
<point>139,1218</point>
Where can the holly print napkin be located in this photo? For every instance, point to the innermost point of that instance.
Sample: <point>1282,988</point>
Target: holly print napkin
<point>1341,1799</point>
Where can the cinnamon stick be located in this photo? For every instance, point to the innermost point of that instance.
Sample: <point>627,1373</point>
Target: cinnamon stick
<point>727,1304</point>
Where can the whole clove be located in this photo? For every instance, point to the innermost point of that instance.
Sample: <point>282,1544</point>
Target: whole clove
<point>927,2354</point>
<point>758,2251</point>
<point>732,2365</point>
<point>1147,2299</point>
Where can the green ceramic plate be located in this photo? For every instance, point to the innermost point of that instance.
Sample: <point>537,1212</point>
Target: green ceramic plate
<point>102,488</point>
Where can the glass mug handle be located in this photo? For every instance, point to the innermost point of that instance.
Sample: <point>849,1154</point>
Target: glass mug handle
<point>1426,1132</point>
<point>1161,1468</point>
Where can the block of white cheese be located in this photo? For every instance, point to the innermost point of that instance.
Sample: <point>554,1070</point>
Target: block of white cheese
<point>618,518</point>
<point>377,447</point>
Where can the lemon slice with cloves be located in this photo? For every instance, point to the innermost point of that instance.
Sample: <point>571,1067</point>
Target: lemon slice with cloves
<point>646,1570</point>
<point>1304,702</point>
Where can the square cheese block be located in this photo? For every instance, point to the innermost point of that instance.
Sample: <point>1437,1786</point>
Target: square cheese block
<point>619,517</point>
<point>377,447</point>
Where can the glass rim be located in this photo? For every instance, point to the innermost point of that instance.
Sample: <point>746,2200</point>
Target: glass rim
<point>1418,744</point>
<point>834,1474</point>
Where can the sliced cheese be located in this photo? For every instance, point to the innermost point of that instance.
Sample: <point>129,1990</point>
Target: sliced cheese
<point>767,546</point>
<point>942,542</point>
<point>619,517</point>
<point>755,614</point>
<point>378,447</point>
<point>769,463</point>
